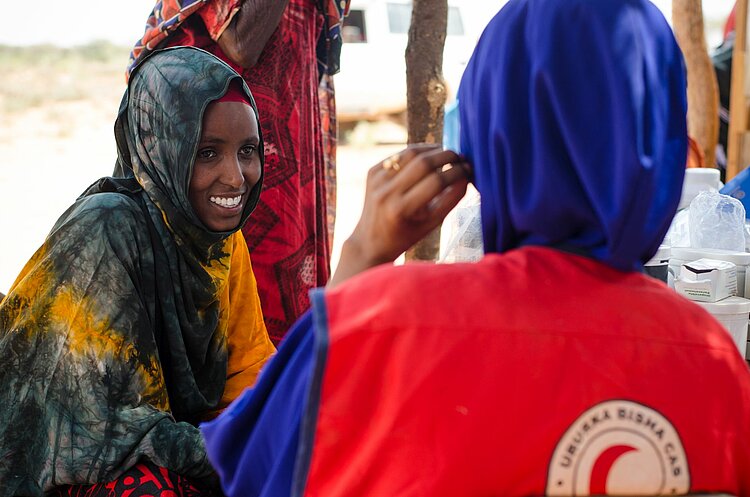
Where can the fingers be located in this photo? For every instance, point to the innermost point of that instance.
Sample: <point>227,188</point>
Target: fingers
<point>386,169</point>
<point>447,200</point>
<point>417,182</point>
<point>431,216</point>
<point>422,166</point>
<point>430,187</point>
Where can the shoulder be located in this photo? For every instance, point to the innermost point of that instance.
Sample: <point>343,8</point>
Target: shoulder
<point>390,296</point>
<point>101,207</point>
<point>415,280</point>
<point>400,280</point>
<point>106,215</point>
<point>109,201</point>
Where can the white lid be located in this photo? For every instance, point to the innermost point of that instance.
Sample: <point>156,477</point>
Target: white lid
<point>698,179</point>
<point>693,254</point>
<point>662,255</point>
<point>729,305</point>
<point>702,175</point>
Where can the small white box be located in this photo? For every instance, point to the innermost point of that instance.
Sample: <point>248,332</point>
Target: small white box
<point>707,280</point>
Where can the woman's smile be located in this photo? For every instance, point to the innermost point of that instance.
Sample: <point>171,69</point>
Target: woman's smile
<point>228,207</point>
<point>226,202</point>
<point>222,212</point>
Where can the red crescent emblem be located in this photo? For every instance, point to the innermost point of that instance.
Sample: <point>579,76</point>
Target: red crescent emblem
<point>602,467</point>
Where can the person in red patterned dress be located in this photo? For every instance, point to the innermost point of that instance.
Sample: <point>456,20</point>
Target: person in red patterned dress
<point>285,50</point>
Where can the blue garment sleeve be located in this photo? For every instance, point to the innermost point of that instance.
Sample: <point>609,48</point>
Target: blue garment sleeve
<point>255,443</point>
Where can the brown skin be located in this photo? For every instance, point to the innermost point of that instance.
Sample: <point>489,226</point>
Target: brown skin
<point>227,165</point>
<point>250,29</point>
<point>402,206</point>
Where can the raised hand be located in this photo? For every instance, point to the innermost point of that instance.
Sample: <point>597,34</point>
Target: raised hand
<point>407,196</point>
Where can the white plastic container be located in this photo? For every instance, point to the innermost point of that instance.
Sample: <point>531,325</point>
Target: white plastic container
<point>698,179</point>
<point>734,314</point>
<point>683,255</point>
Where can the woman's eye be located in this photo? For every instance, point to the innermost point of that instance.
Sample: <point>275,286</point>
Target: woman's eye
<point>206,153</point>
<point>247,150</point>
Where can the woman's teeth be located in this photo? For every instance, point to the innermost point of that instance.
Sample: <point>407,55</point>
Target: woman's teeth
<point>226,202</point>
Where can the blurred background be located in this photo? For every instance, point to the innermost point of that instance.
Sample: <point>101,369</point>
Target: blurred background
<point>62,77</point>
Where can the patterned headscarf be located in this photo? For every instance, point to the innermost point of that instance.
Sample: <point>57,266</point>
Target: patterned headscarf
<point>146,139</point>
<point>573,113</point>
<point>114,338</point>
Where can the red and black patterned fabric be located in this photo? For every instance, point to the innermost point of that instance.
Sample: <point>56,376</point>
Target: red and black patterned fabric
<point>142,480</point>
<point>168,15</point>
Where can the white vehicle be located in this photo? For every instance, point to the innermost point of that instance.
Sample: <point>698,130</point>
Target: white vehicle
<point>372,81</point>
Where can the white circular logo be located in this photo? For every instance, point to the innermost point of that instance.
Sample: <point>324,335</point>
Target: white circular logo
<point>619,447</point>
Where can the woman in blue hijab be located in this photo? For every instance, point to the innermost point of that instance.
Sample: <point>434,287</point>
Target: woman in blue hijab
<point>551,367</point>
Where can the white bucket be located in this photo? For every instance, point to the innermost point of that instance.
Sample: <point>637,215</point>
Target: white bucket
<point>734,314</point>
<point>683,255</point>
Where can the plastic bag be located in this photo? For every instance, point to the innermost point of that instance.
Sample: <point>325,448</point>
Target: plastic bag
<point>717,221</point>
<point>679,231</point>
<point>461,235</point>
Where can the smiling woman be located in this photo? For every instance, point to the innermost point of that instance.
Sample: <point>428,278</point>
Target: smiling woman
<point>227,164</point>
<point>139,316</point>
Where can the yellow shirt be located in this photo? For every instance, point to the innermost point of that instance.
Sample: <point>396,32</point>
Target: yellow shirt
<point>247,340</point>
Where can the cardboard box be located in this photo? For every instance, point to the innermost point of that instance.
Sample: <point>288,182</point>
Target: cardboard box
<point>707,280</point>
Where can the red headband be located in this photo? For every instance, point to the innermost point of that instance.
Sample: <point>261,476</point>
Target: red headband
<point>235,93</point>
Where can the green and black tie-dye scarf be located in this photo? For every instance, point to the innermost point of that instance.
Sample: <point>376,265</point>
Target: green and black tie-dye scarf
<point>113,338</point>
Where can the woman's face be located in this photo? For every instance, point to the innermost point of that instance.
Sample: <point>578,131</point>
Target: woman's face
<point>227,165</point>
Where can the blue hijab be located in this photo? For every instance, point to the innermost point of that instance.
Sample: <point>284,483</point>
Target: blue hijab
<point>573,113</point>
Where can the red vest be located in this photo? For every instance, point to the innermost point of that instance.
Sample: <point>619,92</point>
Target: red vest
<point>534,372</point>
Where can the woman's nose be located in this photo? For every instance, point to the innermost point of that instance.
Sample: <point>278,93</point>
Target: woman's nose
<point>232,173</point>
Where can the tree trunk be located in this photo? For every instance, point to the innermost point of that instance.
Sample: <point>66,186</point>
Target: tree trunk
<point>737,158</point>
<point>426,92</point>
<point>703,90</point>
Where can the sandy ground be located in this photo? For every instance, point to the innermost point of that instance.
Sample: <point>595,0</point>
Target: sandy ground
<point>50,155</point>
